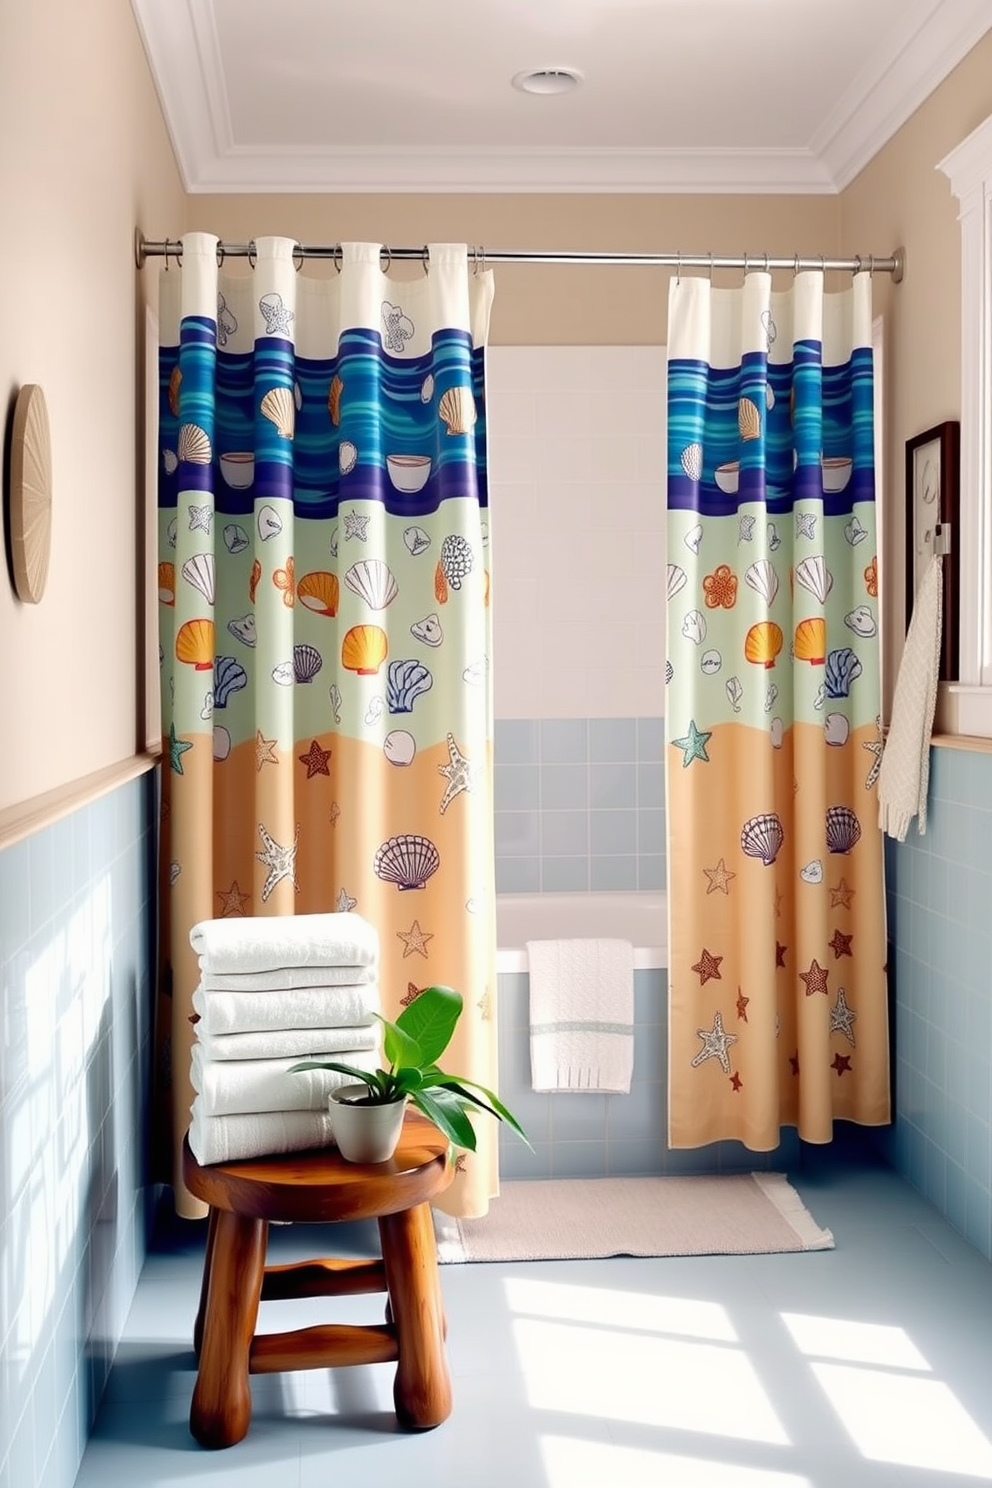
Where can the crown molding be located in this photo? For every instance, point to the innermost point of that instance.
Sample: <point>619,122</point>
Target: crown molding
<point>892,86</point>
<point>968,166</point>
<point>184,54</point>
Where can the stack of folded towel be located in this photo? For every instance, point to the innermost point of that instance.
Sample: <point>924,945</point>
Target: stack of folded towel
<point>273,991</point>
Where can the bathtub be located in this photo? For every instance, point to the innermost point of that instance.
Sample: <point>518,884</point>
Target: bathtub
<point>638,917</point>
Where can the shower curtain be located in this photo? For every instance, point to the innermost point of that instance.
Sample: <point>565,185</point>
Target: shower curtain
<point>325,630</point>
<point>773,735</point>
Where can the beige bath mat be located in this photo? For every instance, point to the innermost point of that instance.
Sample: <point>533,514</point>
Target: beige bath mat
<point>590,1218</point>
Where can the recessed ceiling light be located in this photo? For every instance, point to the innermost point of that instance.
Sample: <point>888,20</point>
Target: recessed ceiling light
<point>549,80</point>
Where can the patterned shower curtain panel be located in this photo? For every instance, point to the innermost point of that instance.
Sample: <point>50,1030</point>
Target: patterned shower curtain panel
<point>325,627</point>
<point>778,1012</point>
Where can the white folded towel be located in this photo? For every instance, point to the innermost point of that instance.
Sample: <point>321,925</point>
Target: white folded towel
<point>239,1087</point>
<point>298,1043</point>
<point>904,778</point>
<point>267,942</point>
<point>215,1139</point>
<point>581,1014</point>
<point>304,1007</point>
<point>287,978</point>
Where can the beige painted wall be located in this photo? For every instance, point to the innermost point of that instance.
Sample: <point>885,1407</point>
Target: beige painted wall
<point>901,198</point>
<point>84,157</point>
<point>541,304</point>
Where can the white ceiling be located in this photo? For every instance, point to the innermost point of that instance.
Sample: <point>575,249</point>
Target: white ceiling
<point>416,95</point>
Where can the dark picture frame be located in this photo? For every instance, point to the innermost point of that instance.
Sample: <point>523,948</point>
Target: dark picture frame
<point>933,475</point>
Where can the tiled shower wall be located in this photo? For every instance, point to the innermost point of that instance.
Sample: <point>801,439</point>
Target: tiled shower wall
<point>76,954</point>
<point>940,934</point>
<point>580,804</point>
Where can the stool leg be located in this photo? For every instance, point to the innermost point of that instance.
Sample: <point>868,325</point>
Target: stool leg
<point>422,1388</point>
<point>220,1413</point>
<point>201,1310</point>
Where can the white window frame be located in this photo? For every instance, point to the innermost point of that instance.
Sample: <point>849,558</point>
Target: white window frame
<point>967,706</point>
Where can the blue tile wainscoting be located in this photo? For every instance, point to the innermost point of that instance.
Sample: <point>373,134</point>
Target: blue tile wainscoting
<point>940,969</point>
<point>579,804</point>
<point>76,957</point>
<point>607,1136</point>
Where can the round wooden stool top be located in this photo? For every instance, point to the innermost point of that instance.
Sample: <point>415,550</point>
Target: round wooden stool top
<point>321,1186</point>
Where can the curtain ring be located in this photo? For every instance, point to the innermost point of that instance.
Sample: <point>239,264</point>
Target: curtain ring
<point>795,266</point>
<point>871,266</point>
<point>221,254</point>
<point>483,258</point>
<point>298,255</point>
<point>823,264</point>
<point>678,268</point>
<point>745,266</point>
<point>252,256</point>
<point>710,269</point>
<point>337,258</point>
<point>766,264</point>
<point>426,257</point>
<point>389,259</point>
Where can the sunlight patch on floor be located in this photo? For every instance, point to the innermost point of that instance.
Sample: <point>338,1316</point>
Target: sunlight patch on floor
<point>614,1308</point>
<point>568,1463</point>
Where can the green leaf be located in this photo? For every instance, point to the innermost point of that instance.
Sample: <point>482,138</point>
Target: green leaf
<point>448,1115</point>
<point>401,1047</point>
<point>430,1019</point>
<point>492,1103</point>
<point>407,1079</point>
<point>372,1078</point>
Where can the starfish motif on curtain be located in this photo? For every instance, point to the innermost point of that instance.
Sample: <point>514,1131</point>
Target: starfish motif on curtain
<point>842,1064</point>
<point>780,951</point>
<point>232,901</point>
<point>708,966</point>
<point>200,518</point>
<point>841,896</point>
<point>280,860</point>
<point>412,993</point>
<point>806,524</point>
<point>177,748</point>
<point>715,1044</point>
<point>264,750</point>
<point>345,902</point>
<point>840,944</point>
<point>460,772</point>
<point>875,747</point>
<point>736,1081</point>
<point>742,1003</point>
<point>719,878</point>
<point>693,745</point>
<point>356,525</point>
<point>842,1016</point>
<point>315,760</point>
<point>415,940</point>
<point>815,978</point>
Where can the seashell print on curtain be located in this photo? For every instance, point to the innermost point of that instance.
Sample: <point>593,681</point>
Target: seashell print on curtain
<point>328,736</point>
<point>777,985</point>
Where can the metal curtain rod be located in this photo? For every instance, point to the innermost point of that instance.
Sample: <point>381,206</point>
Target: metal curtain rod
<point>893,263</point>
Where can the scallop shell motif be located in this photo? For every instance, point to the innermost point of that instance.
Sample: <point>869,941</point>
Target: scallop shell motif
<point>347,457</point>
<point>694,627</point>
<point>416,539</point>
<point>457,410</point>
<point>195,644</point>
<point>691,460</point>
<point>406,681</point>
<point>456,559</point>
<point>167,583</point>
<point>334,399</point>
<point>762,837</point>
<point>235,538</point>
<point>279,407</point>
<point>200,572</point>
<point>194,445</point>
<point>748,419</point>
<point>811,641</point>
<point>229,677</point>
<point>843,829</point>
<point>175,383</point>
<point>762,643</point>
<point>440,584</point>
<point>843,666</point>
<point>319,592</point>
<point>676,580</point>
<point>762,578</point>
<point>407,861</point>
<point>373,581</point>
<point>307,662</point>
<point>814,575</point>
<point>364,649</point>
<point>243,629</point>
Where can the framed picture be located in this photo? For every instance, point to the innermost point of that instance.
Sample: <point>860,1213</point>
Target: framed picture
<point>932,525</point>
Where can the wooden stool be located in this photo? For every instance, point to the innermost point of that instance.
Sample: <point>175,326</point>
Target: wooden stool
<point>318,1187</point>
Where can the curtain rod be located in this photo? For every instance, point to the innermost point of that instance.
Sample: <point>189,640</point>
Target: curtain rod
<point>893,263</point>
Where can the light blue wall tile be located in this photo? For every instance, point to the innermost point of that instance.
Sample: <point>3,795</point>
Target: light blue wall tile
<point>518,875</point>
<point>612,832</point>
<point>564,741</point>
<point>578,1118</point>
<point>651,739</point>
<point>564,833</point>
<point>14,899</point>
<point>564,875</point>
<point>651,832</point>
<point>652,873</point>
<point>578,1159</point>
<point>613,739</point>
<point>517,787</point>
<point>650,785</point>
<point>612,784</point>
<point>613,875</point>
<point>565,787</point>
<point>517,834</point>
<point>517,741</point>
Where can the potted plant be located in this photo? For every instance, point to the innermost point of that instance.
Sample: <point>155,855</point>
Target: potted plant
<point>367,1117</point>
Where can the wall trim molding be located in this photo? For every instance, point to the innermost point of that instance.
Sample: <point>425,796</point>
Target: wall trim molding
<point>28,817</point>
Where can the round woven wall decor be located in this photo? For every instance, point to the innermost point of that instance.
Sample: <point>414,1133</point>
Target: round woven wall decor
<point>30,494</point>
